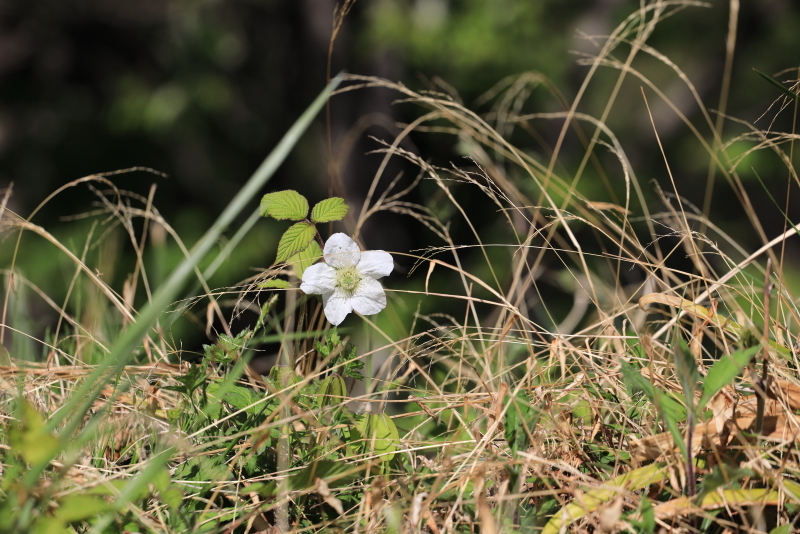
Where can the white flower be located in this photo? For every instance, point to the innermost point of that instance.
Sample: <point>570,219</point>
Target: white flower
<point>349,279</point>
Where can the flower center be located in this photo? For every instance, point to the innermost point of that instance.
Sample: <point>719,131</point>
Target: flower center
<point>348,278</point>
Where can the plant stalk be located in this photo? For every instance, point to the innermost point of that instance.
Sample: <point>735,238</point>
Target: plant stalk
<point>761,384</point>
<point>284,452</point>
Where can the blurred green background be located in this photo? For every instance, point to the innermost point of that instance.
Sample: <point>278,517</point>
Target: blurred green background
<point>201,90</point>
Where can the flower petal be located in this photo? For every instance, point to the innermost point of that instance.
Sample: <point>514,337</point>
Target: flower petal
<point>318,279</point>
<point>337,306</point>
<point>370,298</point>
<point>341,251</point>
<point>376,263</point>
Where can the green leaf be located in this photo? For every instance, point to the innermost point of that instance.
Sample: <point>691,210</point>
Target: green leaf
<point>161,481</point>
<point>333,337</point>
<point>265,309</point>
<point>521,419</point>
<point>237,396</point>
<point>274,283</point>
<point>193,379</point>
<point>670,410</point>
<point>330,209</point>
<point>724,371</point>
<point>722,475</point>
<point>380,434</point>
<point>227,349</point>
<point>172,497</point>
<point>49,525</point>
<point>335,474</point>
<point>330,397</point>
<point>265,489</point>
<point>283,205</point>
<point>203,469</point>
<point>331,391</point>
<point>80,507</point>
<point>329,343</point>
<point>30,439</point>
<point>779,85</point>
<point>304,259</point>
<point>107,488</point>
<point>686,369</point>
<point>648,522</point>
<point>295,239</point>
<point>283,376</point>
<point>112,488</point>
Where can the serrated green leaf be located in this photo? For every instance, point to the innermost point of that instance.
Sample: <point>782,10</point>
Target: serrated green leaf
<point>304,259</point>
<point>295,239</point>
<point>282,205</point>
<point>332,337</point>
<point>275,283</point>
<point>330,209</point>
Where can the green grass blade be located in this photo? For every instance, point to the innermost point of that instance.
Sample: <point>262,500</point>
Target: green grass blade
<point>221,257</point>
<point>78,405</point>
<point>668,409</point>
<point>778,84</point>
<point>685,369</point>
<point>724,371</point>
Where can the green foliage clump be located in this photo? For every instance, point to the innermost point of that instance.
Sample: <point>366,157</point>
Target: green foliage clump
<point>297,242</point>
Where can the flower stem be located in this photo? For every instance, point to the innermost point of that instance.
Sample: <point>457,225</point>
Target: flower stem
<point>286,357</point>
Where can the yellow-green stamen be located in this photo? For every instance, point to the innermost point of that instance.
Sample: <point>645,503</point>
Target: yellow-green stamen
<point>348,279</point>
